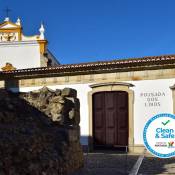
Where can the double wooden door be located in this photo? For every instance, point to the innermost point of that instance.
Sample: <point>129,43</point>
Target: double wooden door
<point>110,118</point>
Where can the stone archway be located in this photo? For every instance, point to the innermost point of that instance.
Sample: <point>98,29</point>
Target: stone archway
<point>112,87</point>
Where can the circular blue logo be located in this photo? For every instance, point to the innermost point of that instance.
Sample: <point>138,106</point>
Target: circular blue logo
<point>159,135</point>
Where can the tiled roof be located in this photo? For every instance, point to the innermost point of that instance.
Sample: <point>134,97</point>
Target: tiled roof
<point>144,63</point>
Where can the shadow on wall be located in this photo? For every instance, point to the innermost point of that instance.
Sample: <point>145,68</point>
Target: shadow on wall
<point>89,147</point>
<point>11,84</point>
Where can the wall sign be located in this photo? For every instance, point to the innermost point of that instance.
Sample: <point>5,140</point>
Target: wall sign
<point>159,135</point>
<point>152,99</point>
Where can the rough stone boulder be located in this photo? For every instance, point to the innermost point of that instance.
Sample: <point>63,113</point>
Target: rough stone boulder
<point>62,107</point>
<point>31,143</point>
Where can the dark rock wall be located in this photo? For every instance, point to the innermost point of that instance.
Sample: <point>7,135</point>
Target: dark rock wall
<point>62,107</point>
<point>39,133</point>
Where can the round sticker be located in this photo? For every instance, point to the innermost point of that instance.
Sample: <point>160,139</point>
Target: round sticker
<point>159,135</point>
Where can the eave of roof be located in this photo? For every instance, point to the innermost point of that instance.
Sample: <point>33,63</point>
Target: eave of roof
<point>117,65</point>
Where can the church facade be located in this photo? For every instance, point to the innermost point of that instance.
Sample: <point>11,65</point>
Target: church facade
<point>117,97</point>
<point>14,45</point>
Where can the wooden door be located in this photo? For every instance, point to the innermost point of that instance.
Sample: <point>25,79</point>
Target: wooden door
<point>110,118</point>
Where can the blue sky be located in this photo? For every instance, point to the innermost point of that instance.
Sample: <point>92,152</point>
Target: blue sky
<point>93,30</point>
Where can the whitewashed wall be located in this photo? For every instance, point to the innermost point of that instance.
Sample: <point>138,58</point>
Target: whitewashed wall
<point>20,54</point>
<point>143,108</point>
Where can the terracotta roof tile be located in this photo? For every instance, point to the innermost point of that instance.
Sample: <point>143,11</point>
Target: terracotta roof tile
<point>94,67</point>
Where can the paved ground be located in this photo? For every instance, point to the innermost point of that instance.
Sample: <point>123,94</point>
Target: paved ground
<point>152,165</point>
<point>107,164</point>
<point>122,164</point>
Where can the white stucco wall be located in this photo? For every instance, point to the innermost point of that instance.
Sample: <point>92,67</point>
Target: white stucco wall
<point>20,54</point>
<point>143,101</point>
<point>142,109</point>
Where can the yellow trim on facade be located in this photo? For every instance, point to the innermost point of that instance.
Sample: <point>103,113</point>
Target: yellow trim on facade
<point>8,22</point>
<point>18,29</point>
<point>43,46</point>
<point>8,67</point>
<point>13,30</point>
<point>37,36</point>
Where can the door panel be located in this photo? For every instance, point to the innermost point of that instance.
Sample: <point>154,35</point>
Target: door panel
<point>122,117</point>
<point>99,120</point>
<point>110,118</point>
<point>110,123</point>
<point>110,137</point>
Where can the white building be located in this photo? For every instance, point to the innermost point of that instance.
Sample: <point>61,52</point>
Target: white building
<point>19,52</point>
<point>117,97</point>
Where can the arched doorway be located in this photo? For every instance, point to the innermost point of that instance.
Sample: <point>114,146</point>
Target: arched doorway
<point>110,119</point>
